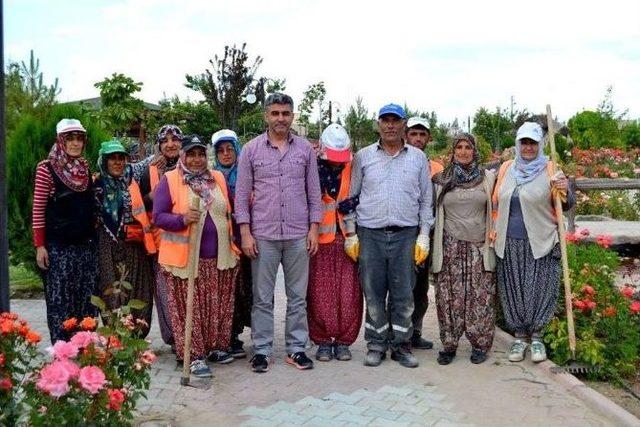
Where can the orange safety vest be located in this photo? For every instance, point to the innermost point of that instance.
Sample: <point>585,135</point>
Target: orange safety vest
<point>174,245</point>
<point>139,213</point>
<point>154,180</point>
<point>327,229</point>
<point>496,190</point>
<point>435,167</point>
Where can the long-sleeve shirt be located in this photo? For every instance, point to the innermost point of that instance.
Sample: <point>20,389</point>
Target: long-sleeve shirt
<point>394,190</point>
<point>278,193</point>
<point>165,219</point>
<point>45,188</point>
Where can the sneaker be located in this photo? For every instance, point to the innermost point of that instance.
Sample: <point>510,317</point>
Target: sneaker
<point>420,343</point>
<point>324,353</point>
<point>446,357</point>
<point>237,349</point>
<point>219,356</point>
<point>516,352</point>
<point>200,369</point>
<point>300,360</point>
<point>374,358</point>
<point>404,356</point>
<point>260,363</point>
<point>478,356</point>
<point>341,352</point>
<point>538,352</point>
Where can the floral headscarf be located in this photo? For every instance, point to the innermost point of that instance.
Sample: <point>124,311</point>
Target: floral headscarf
<point>115,197</point>
<point>458,175</point>
<point>160,138</point>
<point>202,182</point>
<point>73,171</point>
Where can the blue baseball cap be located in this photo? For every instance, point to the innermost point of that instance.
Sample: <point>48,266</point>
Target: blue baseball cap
<point>394,109</point>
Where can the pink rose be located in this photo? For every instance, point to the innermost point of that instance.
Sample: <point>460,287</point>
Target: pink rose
<point>72,369</point>
<point>148,357</point>
<point>63,350</point>
<point>84,338</point>
<point>54,378</point>
<point>635,307</point>
<point>92,379</point>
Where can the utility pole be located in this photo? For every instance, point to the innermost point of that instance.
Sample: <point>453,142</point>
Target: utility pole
<point>4,240</point>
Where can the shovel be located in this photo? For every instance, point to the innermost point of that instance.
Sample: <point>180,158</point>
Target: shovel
<point>188,324</point>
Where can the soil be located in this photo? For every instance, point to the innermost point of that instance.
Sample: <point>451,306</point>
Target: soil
<point>627,397</point>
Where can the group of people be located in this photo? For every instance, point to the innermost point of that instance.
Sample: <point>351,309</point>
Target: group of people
<point>345,227</point>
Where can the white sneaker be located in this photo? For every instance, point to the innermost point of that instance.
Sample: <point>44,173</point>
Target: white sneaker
<point>516,352</point>
<point>538,352</point>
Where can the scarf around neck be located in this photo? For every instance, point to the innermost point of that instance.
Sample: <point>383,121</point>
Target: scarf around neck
<point>202,183</point>
<point>458,175</point>
<point>72,171</point>
<point>525,171</point>
<point>116,200</point>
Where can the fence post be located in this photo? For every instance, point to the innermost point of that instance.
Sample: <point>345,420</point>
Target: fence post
<point>571,214</point>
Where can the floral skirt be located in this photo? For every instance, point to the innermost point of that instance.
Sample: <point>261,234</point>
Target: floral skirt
<point>465,295</point>
<point>213,300</point>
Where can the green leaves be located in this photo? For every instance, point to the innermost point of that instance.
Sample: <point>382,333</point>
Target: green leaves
<point>98,302</point>
<point>137,304</point>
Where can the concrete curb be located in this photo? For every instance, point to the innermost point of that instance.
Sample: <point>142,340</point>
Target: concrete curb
<point>596,400</point>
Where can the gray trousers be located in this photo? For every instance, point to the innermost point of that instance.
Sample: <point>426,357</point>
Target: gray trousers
<point>293,256</point>
<point>387,274</point>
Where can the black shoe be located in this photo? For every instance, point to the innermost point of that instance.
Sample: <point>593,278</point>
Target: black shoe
<point>324,353</point>
<point>236,350</point>
<point>219,356</point>
<point>300,360</point>
<point>420,343</point>
<point>374,358</point>
<point>446,357</point>
<point>260,363</point>
<point>404,356</point>
<point>478,356</point>
<point>341,352</point>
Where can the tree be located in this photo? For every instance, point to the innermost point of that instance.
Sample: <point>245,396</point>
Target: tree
<point>630,135</point>
<point>312,97</point>
<point>120,109</point>
<point>359,125</point>
<point>224,88</point>
<point>597,129</point>
<point>192,117</point>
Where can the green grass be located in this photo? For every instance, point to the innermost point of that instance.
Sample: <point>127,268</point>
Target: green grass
<point>22,280</point>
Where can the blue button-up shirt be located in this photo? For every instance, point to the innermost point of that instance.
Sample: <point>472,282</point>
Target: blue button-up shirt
<point>394,190</point>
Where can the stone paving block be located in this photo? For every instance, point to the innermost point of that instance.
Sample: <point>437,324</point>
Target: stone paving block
<point>319,412</point>
<point>354,419</point>
<point>351,409</point>
<point>376,402</point>
<point>257,422</point>
<point>400,391</point>
<point>408,418</point>
<point>362,392</point>
<point>446,415</point>
<point>383,422</point>
<point>253,411</point>
<point>411,409</point>
<point>446,423</point>
<point>312,401</point>
<point>381,413</point>
<point>339,397</point>
<point>289,418</point>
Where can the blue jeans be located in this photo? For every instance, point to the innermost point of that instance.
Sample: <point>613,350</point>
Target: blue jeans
<point>387,271</point>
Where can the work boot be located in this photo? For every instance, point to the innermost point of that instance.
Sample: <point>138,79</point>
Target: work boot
<point>420,343</point>
<point>374,358</point>
<point>403,356</point>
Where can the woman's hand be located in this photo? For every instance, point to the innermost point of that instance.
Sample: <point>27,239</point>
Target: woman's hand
<point>42,257</point>
<point>560,181</point>
<point>192,215</point>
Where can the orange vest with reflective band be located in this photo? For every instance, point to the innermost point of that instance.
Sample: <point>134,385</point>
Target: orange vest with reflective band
<point>327,229</point>
<point>435,167</point>
<point>174,245</point>
<point>140,214</point>
<point>154,180</point>
<point>494,197</point>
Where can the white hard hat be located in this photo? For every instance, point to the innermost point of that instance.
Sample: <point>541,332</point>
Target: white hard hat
<point>335,144</point>
<point>69,125</point>
<point>223,135</point>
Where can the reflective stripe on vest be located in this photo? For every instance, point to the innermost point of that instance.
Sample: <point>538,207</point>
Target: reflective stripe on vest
<point>139,213</point>
<point>174,246</point>
<point>154,180</point>
<point>327,228</point>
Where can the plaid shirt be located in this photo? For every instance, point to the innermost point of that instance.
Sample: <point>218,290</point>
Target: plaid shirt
<point>278,194</point>
<point>394,190</point>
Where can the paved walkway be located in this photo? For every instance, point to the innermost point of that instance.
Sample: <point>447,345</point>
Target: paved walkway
<point>496,393</point>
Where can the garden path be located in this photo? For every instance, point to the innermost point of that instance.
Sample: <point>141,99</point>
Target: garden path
<point>496,393</point>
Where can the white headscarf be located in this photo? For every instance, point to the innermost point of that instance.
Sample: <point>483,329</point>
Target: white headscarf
<point>527,170</point>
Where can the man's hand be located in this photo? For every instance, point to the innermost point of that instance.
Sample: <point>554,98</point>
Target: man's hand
<point>352,247</point>
<point>249,245</point>
<point>312,239</point>
<point>421,251</point>
<point>42,257</point>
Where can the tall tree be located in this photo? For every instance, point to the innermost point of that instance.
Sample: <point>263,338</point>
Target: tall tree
<point>224,88</point>
<point>120,109</point>
<point>359,125</point>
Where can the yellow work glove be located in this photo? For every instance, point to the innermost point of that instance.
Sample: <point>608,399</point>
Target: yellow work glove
<point>559,192</point>
<point>421,251</point>
<point>352,247</point>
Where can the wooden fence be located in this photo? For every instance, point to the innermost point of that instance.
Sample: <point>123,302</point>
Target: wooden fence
<point>594,184</point>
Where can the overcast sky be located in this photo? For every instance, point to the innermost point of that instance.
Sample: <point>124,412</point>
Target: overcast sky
<point>448,56</point>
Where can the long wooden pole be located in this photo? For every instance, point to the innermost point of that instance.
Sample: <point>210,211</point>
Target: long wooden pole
<point>188,324</point>
<point>563,242</point>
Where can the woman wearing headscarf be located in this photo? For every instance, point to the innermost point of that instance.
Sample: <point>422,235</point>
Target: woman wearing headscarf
<point>526,241</point>
<point>227,151</point>
<point>124,233</point>
<point>462,260</point>
<point>64,229</point>
<point>207,232</point>
<point>168,143</point>
<point>334,296</point>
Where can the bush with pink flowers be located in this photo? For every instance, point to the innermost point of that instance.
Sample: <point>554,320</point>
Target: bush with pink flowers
<point>607,318</point>
<point>95,378</point>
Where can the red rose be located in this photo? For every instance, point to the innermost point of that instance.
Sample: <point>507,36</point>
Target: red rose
<point>635,307</point>
<point>588,290</point>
